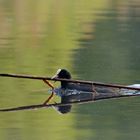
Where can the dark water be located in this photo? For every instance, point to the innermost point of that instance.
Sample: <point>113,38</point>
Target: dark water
<point>95,40</point>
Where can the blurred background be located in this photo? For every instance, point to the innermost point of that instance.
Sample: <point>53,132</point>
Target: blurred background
<point>95,40</point>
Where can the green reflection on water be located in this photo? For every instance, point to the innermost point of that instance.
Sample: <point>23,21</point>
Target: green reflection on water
<point>95,40</point>
<point>110,52</point>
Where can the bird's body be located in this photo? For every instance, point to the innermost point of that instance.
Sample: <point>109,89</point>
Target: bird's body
<point>71,92</point>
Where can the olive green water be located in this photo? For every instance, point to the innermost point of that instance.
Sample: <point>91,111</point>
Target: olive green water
<point>95,39</point>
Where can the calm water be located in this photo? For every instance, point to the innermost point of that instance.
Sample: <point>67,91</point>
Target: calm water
<point>95,40</point>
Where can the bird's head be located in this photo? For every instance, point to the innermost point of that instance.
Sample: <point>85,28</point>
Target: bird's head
<point>62,73</point>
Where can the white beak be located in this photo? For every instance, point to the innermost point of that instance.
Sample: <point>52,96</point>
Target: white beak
<point>56,75</point>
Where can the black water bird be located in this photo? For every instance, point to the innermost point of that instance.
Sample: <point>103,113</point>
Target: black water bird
<point>73,92</point>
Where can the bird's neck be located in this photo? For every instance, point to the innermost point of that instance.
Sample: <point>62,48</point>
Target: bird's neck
<point>64,84</point>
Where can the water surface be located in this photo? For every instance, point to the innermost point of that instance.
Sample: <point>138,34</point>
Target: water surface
<point>95,40</point>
